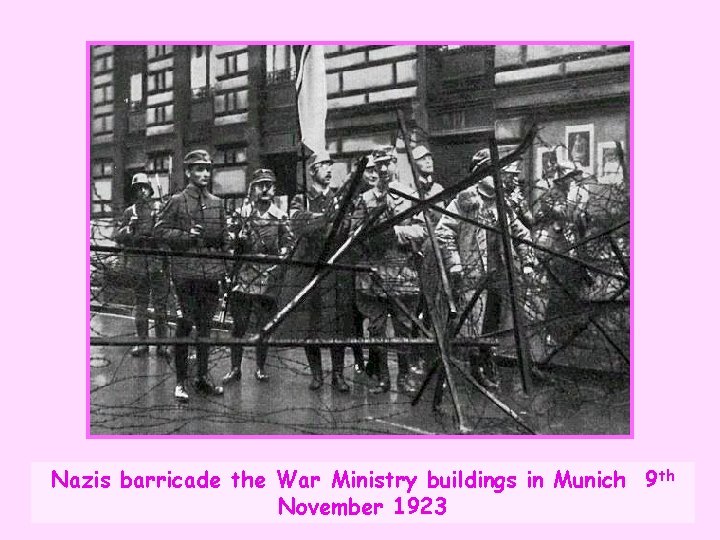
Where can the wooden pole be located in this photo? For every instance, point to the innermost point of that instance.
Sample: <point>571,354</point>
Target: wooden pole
<point>518,327</point>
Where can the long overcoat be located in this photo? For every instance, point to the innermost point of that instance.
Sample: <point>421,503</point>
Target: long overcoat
<point>479,253</point>
<point>327,312</point>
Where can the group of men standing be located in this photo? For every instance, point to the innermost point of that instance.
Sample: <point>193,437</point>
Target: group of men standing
<point>192,225</point>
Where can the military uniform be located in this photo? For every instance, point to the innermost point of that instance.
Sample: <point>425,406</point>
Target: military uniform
<point>328,309</point>
<point>135,230</point>
<point>395,255</point>
<point>479,254</point>
<point>256,285</point>
<point>196,279</point>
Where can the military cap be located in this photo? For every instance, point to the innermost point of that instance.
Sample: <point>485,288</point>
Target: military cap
<point>420,152</point>
<point>197,156</point>
<point>486,187</point>
<point>140,179</point>
<point>513,168</point>
<point>383,153</point>
<point>320,157</point>
<point>262,174</point>
<point>481,157</point>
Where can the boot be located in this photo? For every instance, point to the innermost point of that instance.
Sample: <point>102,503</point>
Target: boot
<point>359,365</point>
<point>419,368</point>
<point>404,382</point>
<point>181,393</point>
<point>205,386</point>
<point>338,364</point>
<point>161,333</point>
<point>383,384</point>
<point>141,327</point>
<point>483,369</point>
<point>235,372</point>
<point>371,368</point>
<point>315,363</point>
<point>140,350</point>
<point>260,355</point>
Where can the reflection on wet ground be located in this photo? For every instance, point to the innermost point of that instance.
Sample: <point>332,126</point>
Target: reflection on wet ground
<point>132,395</point>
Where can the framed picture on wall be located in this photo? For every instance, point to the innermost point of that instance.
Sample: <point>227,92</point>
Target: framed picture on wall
<point>609,168</point>
<point>545,162</point>
<point>580,146</point>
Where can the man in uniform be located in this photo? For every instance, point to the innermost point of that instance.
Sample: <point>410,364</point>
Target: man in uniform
<point>474,255</point>
<point>259,227</point>
<point>193,222</point>
<point>393,254</point>
<point>135,230</point>
<point>327,311</point>
<point>425,167</point>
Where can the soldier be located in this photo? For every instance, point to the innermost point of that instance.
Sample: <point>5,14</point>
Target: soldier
<point>474,255</point>
<point>193,222</point>
<point>327,311</point>
<point>515,194</point>
<point>369,179</point>
<point>425,167</point>
<point>135,230</point>
<point>560,203</point>
<point>259,228</point>
<point>392,254</point>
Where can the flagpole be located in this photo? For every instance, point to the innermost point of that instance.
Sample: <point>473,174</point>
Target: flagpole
<point>311,99</point>
<point>303,154</point>
<point>304,171</point>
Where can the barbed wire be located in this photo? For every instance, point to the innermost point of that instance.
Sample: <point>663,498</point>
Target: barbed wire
<point>574,295</point>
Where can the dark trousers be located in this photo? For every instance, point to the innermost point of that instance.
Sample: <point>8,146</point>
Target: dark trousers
<point>198,300</point>
<point>242,307</point>
<point>157,286</point>
<point>376,309</point>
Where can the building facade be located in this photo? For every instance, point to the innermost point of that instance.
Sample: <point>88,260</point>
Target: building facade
<point>150,104</point>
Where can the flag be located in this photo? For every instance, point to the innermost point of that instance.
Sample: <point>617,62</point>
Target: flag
<point>311,90</point>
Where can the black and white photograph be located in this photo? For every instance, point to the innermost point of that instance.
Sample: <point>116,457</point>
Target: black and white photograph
<point>359,239</point>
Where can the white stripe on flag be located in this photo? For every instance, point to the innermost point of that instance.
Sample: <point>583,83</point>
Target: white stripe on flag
<point>311,90</point>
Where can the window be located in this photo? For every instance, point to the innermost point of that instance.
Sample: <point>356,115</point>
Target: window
<point>230,175</point>
<point>136,91</point>
<point>101,187</point>
<point>161,114</point>
<point>103,94</point>
<point>231,102</point>
<point>200,71</point>
<point>233,64</point>
<point>159,163</point>
<point>103,63</point>
<point>102,124</point>
<point>160,81</point>
<point>230,156</point>
<point>279,63</point>
<point>157,51</point>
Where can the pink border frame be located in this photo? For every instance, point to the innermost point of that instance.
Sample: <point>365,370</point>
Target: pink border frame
<point>88,139</point>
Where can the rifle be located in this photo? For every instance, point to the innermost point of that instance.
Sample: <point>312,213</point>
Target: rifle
<point>228,284</point>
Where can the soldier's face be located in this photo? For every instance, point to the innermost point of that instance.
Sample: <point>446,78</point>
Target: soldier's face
<point>511,180</point>
<point>199,174</point>
<point>144,193</point>
<point>425,165</point>
<point>263,191</point>
<point>384,172</point>
<point>323,172</point>
<point>370,176</point>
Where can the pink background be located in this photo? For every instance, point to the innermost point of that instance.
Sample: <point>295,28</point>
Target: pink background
<point>44,91</point>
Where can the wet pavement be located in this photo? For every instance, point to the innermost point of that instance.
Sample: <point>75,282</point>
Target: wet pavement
<point>134,395</point>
